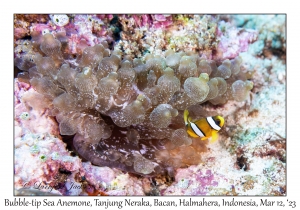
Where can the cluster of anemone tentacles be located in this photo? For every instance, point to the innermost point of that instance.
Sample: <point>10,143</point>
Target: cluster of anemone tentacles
<point>127,113</point>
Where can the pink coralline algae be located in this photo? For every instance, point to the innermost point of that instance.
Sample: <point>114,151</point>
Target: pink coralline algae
<point>159,21</point>
<point>30,108</point>
<point>233,40</point>
<point>79,32</point>
<point>191,181</point>
<point>39,153</point>
<point>149,21</point>
<point>99,177</point>
<point>89,28</point>
<point>23,23</point>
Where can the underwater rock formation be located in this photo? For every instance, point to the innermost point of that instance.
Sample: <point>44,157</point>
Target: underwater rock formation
<point>127,113</point>
<point>37,139</point>
<point>201,34</point>
<point>74,31</point>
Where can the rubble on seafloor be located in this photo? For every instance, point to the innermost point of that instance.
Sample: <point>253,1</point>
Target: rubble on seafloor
<point>249,157</point>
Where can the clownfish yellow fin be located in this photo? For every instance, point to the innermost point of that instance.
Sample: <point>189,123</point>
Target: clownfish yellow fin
<point>214,137</point>
<point>204,138</point>
<point>185,117</point>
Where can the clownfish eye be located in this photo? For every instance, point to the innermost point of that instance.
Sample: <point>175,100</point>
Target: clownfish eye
<point>218,121</point>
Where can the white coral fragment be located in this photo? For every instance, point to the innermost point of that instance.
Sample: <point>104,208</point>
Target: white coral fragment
<point>60,20</point>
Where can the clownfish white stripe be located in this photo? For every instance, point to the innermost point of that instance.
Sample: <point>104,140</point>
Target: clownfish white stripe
<point>197,130</point>
<point>212,123</point>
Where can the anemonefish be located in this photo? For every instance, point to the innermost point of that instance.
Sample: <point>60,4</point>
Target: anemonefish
<point>205,127</point>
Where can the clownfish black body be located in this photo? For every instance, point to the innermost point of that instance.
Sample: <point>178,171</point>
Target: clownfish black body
<point>205,127</point>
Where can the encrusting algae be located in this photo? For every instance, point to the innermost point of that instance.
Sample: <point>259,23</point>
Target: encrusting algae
<point>129,113</point>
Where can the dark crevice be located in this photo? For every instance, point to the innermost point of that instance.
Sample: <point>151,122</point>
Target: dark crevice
<point>242,163</point>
